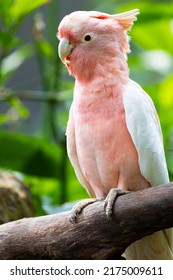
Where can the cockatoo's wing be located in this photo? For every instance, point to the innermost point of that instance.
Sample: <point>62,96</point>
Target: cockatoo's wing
<point>72,153</point>
<point>144,127</point>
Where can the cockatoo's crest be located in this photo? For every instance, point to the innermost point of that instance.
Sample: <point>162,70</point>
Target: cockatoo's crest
<point>124,19</point>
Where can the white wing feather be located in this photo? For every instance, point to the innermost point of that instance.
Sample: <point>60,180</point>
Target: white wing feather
<point>144,128</point>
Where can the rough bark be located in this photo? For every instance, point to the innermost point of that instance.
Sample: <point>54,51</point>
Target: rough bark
<point>136,215</point>
<point>15,199</point>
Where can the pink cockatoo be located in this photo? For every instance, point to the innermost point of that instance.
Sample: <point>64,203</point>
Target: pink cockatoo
<point>114,138</point>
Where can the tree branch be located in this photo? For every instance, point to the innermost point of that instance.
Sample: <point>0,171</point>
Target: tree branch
<point>37,96</point>
<point>136,215</point>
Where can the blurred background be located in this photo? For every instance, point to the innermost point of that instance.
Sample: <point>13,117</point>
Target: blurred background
<point>36,91</point>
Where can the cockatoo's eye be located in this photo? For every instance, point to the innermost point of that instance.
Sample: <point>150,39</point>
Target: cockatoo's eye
<point>87,38</point>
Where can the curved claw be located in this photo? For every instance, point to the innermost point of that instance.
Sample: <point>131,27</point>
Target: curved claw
<point>110,200</point>
<point>77,209</point>
<point>72,218</point>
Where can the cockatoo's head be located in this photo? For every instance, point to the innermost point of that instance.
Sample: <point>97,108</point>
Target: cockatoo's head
<point>89,39</point>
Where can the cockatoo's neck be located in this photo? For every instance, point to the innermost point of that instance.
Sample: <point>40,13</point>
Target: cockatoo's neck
<point>102,77</point>
<point>105,85</point>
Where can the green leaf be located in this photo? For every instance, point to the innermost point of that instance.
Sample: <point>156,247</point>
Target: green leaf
<point>4,119</point>
<point>18,108</point>
<point>45,49</point>
<point>5,6</point>
<point>13,61</point>
<point>22,8</point>
<point>29,155</point>
<point>165,102</point>
<point>155,35</point>
<point>150,10</point>
<point>8,41</point>
<point>165,93</point>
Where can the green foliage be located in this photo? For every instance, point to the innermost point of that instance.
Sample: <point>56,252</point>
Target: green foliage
<point>21,9</point>
<point>15,112</point>
<point>13,61</point>
<point>13,12</point>
<point>30,155</point>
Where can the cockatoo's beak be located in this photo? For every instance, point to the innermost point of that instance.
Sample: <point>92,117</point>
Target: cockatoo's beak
<point>64,50</point>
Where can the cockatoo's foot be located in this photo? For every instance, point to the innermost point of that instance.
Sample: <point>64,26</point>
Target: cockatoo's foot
<point>77,209</point>
<point>110,199</point>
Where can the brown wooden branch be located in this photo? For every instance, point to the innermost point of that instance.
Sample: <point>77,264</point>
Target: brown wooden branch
<point>15,199</point>
<point>136,215</point>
